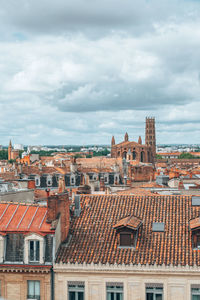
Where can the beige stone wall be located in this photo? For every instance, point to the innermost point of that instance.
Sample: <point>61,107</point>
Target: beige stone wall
<point>14,285</point>
<point>176,286</point>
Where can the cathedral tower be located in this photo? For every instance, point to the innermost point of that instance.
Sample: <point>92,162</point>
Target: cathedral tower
<point>9,150</point>
<point>150,135</point>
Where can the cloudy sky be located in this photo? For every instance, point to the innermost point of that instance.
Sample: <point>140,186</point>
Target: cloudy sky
<point>78,72</point>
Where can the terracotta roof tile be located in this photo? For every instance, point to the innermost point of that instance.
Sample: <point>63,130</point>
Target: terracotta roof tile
<point>130,222</point>
<point>93,238</point>
<point>195,223</point>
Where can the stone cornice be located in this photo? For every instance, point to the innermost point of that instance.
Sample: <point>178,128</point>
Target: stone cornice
<point>127,269</point>
<point>24,269</point>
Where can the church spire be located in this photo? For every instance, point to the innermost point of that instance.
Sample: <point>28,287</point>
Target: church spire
<point>113,141</point>
<point>126,137</point>
<point>140,140</point>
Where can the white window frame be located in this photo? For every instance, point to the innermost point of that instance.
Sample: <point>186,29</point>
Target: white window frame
<point>32,237</point>
<point>49,180</point>
<point>115,288</point>
<point>195,290</point>
<point>106,178</point>
<point>36,244</point>
<point>37,179</point>
<point>72,180</point>
<point>36,297</point>
<point>116,178</point>
<point>2,241</point>
<point>155,290</point>
<point>76,287</point>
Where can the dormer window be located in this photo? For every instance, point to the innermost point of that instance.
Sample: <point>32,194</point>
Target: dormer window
<point>127,231</point>
<point>49,181</point>
<point>34,251</point>
<point>72,180</point>
<point>195,229</point>
<point>116,179</point>
<point>37,181</point>
<point>125,239</point>
<point>95,177</point>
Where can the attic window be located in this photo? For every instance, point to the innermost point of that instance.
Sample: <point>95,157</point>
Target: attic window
<point>195,229</point>
<point>127,231</point>
<point>158,227</point>
<point>196,201</point>
<point>125,239</point>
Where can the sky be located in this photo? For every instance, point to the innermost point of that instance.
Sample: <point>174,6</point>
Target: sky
<point>78,72</point>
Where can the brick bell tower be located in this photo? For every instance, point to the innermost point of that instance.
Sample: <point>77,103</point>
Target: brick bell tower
<point>150,135</point>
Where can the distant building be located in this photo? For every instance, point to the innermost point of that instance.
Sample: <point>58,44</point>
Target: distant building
<point>18,147</point>
<point>12,153</point>
<point>136,150</point>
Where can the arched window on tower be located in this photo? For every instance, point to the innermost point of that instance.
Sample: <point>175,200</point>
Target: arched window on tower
<point>124,154</point>
<point>134,155</point>
<point>142,156</point>
<point>149,156</point>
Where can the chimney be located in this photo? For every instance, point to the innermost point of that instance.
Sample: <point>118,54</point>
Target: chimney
<point>73,165</point>
<point>77,205</point>
<point>20,168</point>
<point>102,184</point>
<point>58,208</point>
<point>61,184</point>
<point>31,184</point>
<point>40,166</point>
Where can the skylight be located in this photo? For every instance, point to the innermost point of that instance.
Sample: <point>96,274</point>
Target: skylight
<point>158,227</point>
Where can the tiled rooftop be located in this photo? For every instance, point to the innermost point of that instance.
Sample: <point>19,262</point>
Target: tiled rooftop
<point>95,240</point>
<point>24,218</point>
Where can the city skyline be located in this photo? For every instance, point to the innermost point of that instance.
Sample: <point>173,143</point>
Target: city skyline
<point>78,73</point>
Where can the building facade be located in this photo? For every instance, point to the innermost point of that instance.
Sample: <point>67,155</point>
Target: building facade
<point>136,150</point>
<point>131,247</point>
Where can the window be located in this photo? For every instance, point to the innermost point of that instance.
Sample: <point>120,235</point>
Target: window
<point>125,239</point>
<point>76,290</point>
<point>37,181</point>
<point>114,291</point>
<point>49,181</point>
<point>34,251</point>
<point>154,292</point>
<point>106,179</point>
<point>33,290</point>
<point>72,180</point>
<point>14,247</point>
<point>116,179</point>
<point>195,292</point>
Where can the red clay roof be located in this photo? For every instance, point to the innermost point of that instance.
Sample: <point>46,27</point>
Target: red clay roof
<point>94,240</point>
<point>195,223</point>
<point>129,222</point>
<point>24,218</point>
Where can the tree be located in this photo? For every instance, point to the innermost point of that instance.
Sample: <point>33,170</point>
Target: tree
<point>3,155</point>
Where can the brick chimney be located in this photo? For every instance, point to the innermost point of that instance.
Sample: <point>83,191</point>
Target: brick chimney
<point>58,209</point>
<point>61,184</point>
<point>102,184</point>
<point>31,184</point>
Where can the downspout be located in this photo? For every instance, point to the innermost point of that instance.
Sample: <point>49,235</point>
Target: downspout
<point>52,284</point>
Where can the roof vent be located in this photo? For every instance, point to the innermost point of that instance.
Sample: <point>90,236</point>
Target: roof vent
<point>196,201</point>
<point>77,205</point>
<point>158,227</point>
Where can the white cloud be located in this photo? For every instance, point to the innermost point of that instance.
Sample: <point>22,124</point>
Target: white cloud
<point>80,72</point>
